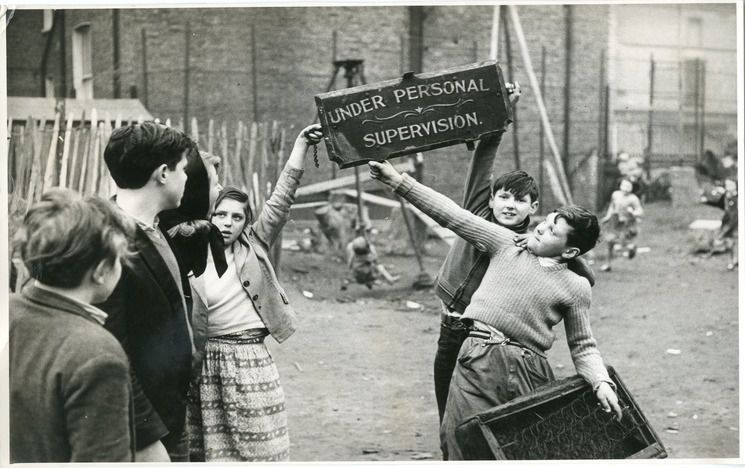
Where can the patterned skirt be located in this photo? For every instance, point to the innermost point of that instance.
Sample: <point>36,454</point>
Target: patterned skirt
<point>236,409</point>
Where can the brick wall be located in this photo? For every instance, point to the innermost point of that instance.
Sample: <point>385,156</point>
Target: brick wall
<point>294,49</point>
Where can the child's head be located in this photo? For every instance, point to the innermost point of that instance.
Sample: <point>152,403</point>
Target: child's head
<point>139,153</point>
<point>68,242</point>
<point>514,197</point>
<point>626,186</point>
<point>232,213</point>
<point>567,232</point>
<point>360,246</point>
<point>337,200</point>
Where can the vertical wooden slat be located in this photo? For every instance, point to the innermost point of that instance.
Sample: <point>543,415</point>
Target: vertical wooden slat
<point>227,167</point>
<point>66,152</point>
<point>35,162</point>
<point>210,135</point>
<point>238,160</point>
<point>92,185</point>
<point>86,148</point>
<point>251,161</point>
<point>49,170</point>
<point>73,158</point>
<point>195,130</point>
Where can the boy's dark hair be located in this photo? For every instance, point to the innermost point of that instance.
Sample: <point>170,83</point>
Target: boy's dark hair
<point>233,193</point>
<point>585,227</point>
<point>520,183</point>
<point>135,151</point>
<point>63,236</point>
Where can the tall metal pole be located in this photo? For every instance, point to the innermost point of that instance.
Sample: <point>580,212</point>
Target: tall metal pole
<point>541,153</point>
<point>600,170</point>
<point>510,74</point>
<point>568,47</point>
<point>187,45</point>
<point>254,76</point>
<point>702,135</point>
<point>143,35</point>
<point>650,117</point>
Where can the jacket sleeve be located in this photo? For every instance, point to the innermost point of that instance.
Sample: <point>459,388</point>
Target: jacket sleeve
<point>149,428</point>
<point>276,209</point>
<point>477,190</point>
<point>482,234</point>
<point>97,399</point>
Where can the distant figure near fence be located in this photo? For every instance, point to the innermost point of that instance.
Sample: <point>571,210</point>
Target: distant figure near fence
<point>621,221</point>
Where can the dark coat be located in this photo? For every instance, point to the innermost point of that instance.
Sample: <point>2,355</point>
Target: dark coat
<point>146,315</point>
<point>70,395</point>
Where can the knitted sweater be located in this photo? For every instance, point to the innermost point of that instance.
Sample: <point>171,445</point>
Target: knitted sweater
<point>518,296</point>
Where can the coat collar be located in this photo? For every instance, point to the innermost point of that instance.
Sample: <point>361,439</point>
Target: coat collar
<point>45,297</point>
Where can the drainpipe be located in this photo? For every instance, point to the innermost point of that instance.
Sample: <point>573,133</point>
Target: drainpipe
<point>568,22</point>
<point>116,53</point>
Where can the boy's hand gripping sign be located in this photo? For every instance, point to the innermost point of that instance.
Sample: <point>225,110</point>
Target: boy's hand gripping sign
<point>412,114</point>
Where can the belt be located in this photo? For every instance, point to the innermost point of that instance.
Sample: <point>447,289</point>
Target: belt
<point>492,336</point>
<point>451,320</point>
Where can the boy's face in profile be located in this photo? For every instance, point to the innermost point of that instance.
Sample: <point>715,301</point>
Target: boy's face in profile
<point>549,238</point>
<point>510,210</point>
<point>176,183</point>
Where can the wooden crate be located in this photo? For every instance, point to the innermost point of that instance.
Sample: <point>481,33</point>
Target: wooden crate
<point>561,420</point>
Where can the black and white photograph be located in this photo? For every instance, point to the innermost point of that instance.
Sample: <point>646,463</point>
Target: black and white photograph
<point>409,232</point>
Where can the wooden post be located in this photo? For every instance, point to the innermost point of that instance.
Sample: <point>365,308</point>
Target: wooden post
<point>494,40</point>
<point>249,167</point>
<point>602,155</point>
<point>65,152</point>
<point>240,163</point>
<point>51,165</point>
<point>210,136</point>
<point>195,130</point>
<point>562,191</point>
<point>74,160</point>
<point>86,143</point>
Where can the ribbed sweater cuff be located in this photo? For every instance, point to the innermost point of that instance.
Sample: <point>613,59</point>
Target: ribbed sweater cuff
<point>405,186</point>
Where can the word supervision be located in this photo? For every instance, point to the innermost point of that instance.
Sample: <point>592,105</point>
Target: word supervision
<point>418,130</point>
<point>409,93</point>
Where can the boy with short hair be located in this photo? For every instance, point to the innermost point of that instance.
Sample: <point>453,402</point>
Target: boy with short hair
<point>148,310</point>
<point>509,201</point>
<point>523,295</point>
<point>70,394</point>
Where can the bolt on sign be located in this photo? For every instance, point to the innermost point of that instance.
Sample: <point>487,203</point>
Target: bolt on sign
<point>415,113</point>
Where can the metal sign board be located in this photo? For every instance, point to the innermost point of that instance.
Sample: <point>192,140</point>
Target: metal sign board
<point>415,113</point>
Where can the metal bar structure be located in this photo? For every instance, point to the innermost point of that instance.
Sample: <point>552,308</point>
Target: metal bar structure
<point>702,98</point>
<point>602,154</point>
<point>510,74</point>
<point>143,36</point>
<point>541,133</point>
<point>187,52</point>
<point>254,76</point>
<point>650,118</point>
<point>568,48</point>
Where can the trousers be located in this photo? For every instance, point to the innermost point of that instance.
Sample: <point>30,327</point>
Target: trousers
<point>452,334</point>
<point>488,375</point>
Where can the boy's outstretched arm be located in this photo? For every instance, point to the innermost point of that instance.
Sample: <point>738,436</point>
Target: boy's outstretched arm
<point>482,234</point>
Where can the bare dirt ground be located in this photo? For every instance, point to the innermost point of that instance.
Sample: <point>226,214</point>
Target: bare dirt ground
<point>358,372</point>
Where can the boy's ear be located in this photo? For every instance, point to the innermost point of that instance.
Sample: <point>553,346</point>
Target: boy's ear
<point>533,207</point>
<point>570,253</point>
<point>98,273</point>
<point>159,174</point>
<point>491,201</point>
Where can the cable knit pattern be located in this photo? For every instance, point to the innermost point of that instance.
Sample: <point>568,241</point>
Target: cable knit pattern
<point>518,295</point>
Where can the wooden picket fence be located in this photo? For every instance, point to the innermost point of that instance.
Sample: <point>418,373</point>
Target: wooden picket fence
<point>69,153</point>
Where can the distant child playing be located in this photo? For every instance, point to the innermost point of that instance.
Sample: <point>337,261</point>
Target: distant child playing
<point>525,292</point>
<point>362,259</point>
<point>624,212</point>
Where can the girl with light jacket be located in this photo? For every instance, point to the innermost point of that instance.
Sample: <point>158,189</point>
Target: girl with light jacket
<point>236,404</point>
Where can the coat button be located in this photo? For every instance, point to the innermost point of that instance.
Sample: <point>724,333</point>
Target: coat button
<point>246,284</point>
<point>256,297</point>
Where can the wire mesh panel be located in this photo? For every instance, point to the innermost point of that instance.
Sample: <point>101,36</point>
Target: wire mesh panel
<point>561,420</point>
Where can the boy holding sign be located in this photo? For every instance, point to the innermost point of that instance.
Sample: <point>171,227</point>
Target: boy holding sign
<point>524,293</point>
